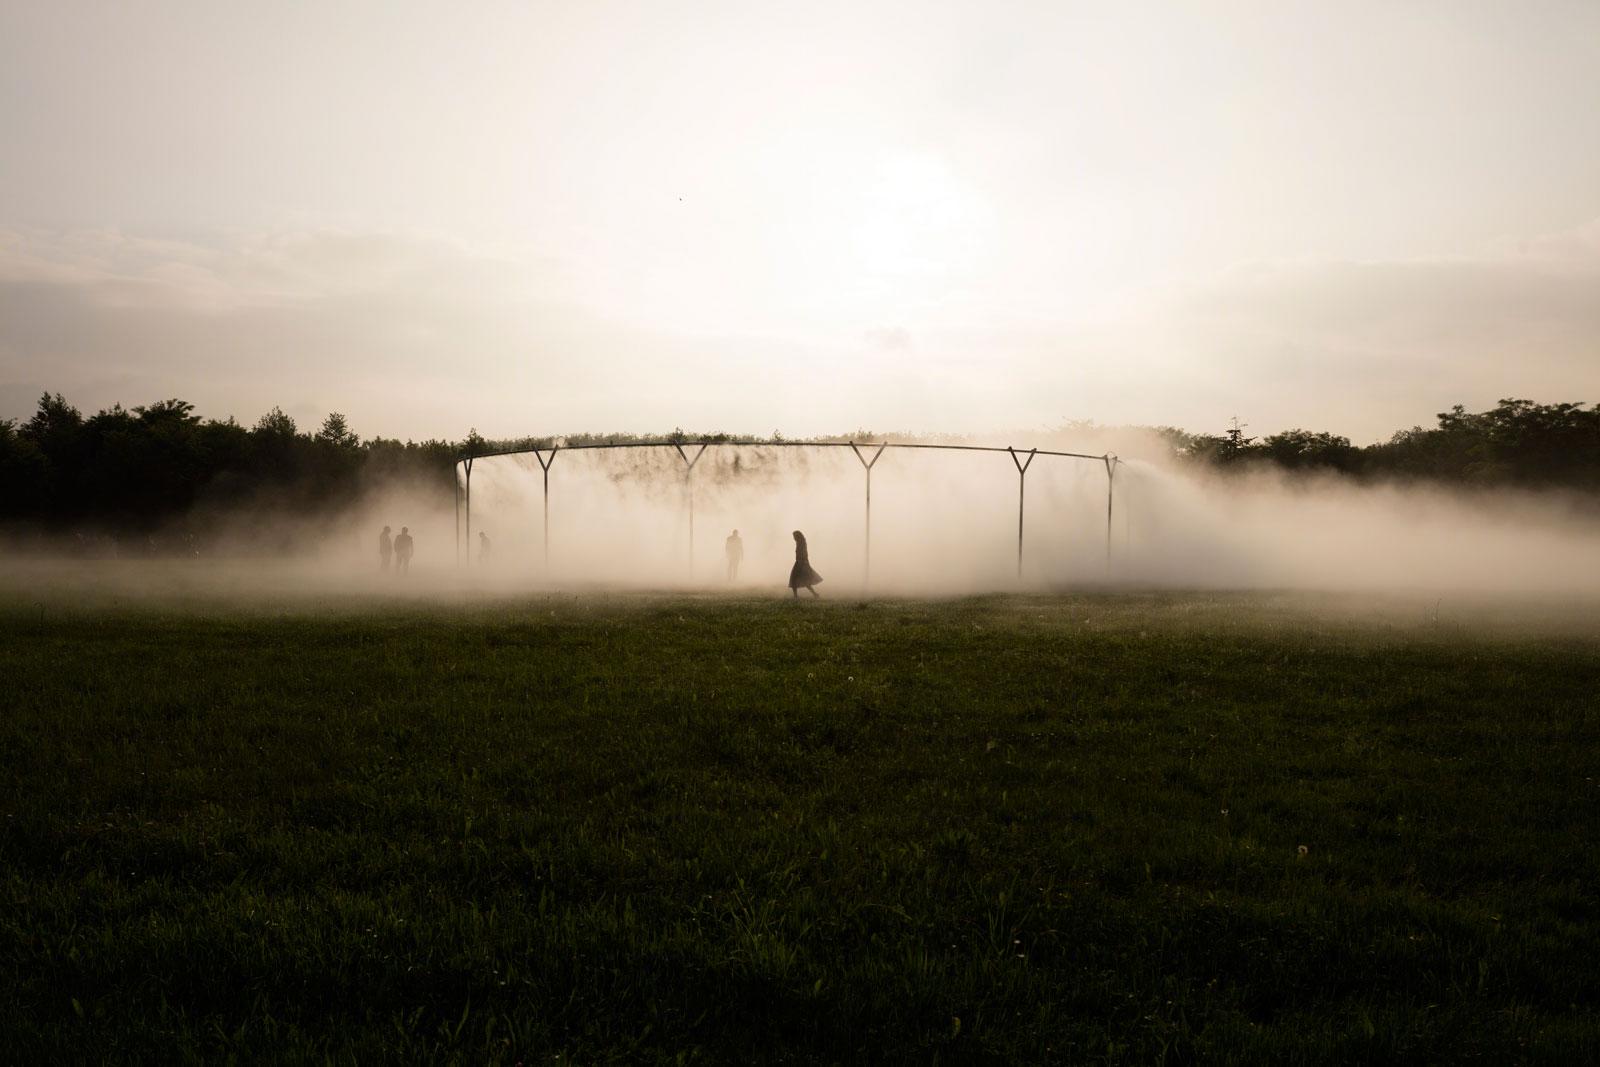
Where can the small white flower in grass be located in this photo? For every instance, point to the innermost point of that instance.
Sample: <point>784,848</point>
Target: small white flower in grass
<point>1302,850</point>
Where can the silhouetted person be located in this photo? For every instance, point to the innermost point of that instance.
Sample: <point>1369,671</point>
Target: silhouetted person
<point>801,573</point>
<point>483,548</point>
<point>385,549</point>
<point>402,551</point>
<point>735,550</point>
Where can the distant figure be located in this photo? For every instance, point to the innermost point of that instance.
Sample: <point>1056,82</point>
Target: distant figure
<point>802,574</point>
<point>483,548</point>
<point>735,550</point>
<point>402,551</point>
<point>385,549</point>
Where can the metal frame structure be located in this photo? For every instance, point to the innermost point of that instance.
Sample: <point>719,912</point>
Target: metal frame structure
<point>464,480</point>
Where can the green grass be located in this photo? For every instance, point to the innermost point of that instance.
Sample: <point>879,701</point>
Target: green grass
<point>1085,828</point>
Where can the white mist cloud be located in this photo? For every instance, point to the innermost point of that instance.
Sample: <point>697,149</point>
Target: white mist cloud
<point>1270,530</point>
<point>944,522</point>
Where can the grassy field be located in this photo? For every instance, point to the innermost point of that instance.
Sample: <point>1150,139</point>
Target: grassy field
<point>1106,827</point>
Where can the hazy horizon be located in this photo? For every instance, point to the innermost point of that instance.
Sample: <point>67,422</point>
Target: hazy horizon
<point>1072,435</point>
<point>535,218</point>
<point>941,523</point>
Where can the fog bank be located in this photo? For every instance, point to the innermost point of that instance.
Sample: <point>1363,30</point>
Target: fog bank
<point>944,522</point>
<point>941,523</point>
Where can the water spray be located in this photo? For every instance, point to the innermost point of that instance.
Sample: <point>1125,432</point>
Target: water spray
<point>546,457</point>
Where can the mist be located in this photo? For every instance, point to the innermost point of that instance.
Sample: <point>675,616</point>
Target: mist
<point>942,523</point>
<point>1271,529</point>
<point>946,522</point>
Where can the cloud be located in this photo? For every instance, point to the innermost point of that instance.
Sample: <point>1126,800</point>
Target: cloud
<point>406,337</point>
<point>1369,347</point>
<point>413,337</point>
<point>888,338</point>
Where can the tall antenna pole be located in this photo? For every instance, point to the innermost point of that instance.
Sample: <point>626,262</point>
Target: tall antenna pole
<point>688,482</point>
<point>866,574</point>
<point>544,464</point>
<point>469,510</point>
<point>1111,466</point>
<point>1022,482</point>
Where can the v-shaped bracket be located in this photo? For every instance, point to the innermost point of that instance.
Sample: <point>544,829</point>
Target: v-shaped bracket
<point>688,463</point>
<point>864,461</point>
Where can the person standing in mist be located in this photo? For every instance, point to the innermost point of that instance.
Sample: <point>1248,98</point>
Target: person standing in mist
<point>483,549</point>
<point>385,549</point>
<point>402,551</point>
<point>801,573</point>
<point>735,550</point>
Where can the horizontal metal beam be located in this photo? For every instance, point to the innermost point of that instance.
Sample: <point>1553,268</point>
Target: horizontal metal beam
<point>779,444</point>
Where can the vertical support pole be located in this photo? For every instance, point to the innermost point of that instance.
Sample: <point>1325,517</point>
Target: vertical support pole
<point>1111,467</point>
<point>866,572</point>
<point>469,510</point>
<point>544,465</point>
<point>1022,484</point>
<point>688,484</point>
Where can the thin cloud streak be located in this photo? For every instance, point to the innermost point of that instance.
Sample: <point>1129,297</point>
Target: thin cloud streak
<point>415,338</point>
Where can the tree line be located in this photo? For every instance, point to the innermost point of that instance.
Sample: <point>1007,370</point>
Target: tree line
<point>138,475</point>
<point>1516,443</point>
<point>161,477</point>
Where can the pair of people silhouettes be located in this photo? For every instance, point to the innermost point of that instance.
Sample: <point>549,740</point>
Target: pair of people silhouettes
<point>397,548</point>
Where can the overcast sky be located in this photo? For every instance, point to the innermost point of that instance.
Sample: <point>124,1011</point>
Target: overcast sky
<point>545,218</point>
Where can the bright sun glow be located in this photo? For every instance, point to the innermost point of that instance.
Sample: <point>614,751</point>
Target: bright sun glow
<point>855,228</point>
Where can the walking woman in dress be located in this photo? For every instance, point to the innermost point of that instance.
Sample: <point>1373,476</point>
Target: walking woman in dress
<point>802,574</point>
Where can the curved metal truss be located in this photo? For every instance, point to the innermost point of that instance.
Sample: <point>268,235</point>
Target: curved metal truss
<point>690,452</point>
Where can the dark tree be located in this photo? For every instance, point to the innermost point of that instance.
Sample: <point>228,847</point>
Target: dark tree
<point>24,473</point>
<point>1234,443</point>
<point>337,433</point>
<point>57,430</point>
<point>1304,450</point>
<point>1518,442</point>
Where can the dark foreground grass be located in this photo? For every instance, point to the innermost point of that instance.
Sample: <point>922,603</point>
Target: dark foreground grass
<point>1087,828</point>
